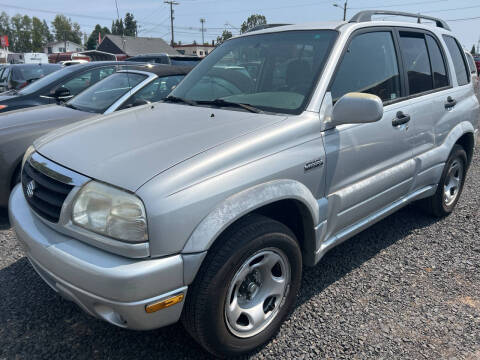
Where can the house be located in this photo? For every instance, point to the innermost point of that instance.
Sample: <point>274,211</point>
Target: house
<point>195,49</point>
<point>131,46</point>
<point>61,47</point>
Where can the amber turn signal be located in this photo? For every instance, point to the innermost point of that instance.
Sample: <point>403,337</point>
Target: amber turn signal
<point>164,303</point>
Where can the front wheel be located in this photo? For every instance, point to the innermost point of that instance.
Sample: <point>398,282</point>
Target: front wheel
<point>245,287</point>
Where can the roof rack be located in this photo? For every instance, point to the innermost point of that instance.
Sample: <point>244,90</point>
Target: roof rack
<point>366,15</point>
<point>265,26</point>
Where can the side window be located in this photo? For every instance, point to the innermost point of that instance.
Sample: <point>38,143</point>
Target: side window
<point>416,62</point>
<point>440,77</point>
<point>369,66</point>
<point>82,81</point>
<point>157,90</point>
<point>471,63</point>
<point>5,74</point>
<point>461,69</point>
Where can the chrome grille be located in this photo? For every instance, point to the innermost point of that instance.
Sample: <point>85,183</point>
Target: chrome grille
<point>44,194</point>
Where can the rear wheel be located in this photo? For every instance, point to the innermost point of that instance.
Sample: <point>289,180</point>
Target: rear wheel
<point>450,186</point>
<point>245,287</point>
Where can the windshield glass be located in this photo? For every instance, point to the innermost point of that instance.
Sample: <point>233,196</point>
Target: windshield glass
<point>32,72</point>
<point>99,97</point>
<point>273,72</point>
<point>47,80</point>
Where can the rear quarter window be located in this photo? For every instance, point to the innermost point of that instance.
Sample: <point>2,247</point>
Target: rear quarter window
<point>459,61</point>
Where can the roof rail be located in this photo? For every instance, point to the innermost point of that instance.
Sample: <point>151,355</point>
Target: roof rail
<point>265,26</point>
<point>366,15</point>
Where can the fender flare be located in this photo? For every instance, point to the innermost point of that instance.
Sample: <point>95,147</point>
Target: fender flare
<point>244,202</point>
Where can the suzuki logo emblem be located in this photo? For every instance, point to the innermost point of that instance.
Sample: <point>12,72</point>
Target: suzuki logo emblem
<point>31,188</point>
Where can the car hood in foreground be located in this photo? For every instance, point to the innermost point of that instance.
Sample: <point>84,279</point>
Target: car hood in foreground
<point>129,148</point>
<point>37,116</point>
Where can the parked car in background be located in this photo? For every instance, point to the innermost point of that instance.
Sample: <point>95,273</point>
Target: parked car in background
<point>59,86</point>
<point>140,85</point>
<point>15,58</point>
<point>73,62</point>
<point>477,63</point>
<point>18,76</point>
<point>35,58</point>
<point>205,207</point>
<point>474,73</point>
<point>179,60</point>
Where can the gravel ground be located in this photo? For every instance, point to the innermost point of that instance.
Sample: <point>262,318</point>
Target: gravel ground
<point>409,287</point>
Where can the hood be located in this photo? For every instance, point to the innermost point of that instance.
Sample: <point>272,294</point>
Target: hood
<point>6,96</point>
<point>38,115</point>
<point>129,148</point>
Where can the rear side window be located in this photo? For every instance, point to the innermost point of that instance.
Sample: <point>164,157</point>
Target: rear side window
<point>416,61</point>
<point>440,77</point>
<point>369,66</point>
<point>461,69</point>
<point>471,63</point>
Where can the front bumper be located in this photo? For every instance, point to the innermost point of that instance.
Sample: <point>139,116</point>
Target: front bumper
<point>105,285</point>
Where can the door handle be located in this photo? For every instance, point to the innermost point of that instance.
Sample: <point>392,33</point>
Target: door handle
<point>451,102</point>
<point>400,119</point>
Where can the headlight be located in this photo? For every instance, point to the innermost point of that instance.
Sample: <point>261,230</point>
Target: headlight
<point>110,212</point>
<point>27,154</point>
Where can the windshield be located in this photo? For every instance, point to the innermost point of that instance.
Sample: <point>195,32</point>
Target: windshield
<point>99,97</point>
<point>46,80</point>
<point>32,72</point>
<point>273,72</point>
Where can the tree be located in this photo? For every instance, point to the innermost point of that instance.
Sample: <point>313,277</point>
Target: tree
<point>225,36</point>
<point>130,25</point>
<point>37,35</point>
<point>5,28</point>
<point>21,33</point>
<point>46,34</point>
<point>253,21</point>
<point>65,30</point>
<point>473,51</point>
<point>92,41</point>
<point>117,27</point>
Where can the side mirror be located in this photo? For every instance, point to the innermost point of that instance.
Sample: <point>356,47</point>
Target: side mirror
<point>139,102</point>
<point>61,93</point>
<point>357,108</point>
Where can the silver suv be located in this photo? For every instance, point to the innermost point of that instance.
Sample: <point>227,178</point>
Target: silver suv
<point>278,146</point>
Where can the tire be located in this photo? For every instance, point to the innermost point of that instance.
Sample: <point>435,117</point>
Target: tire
<point>256,249</point>
<point>440,204</point>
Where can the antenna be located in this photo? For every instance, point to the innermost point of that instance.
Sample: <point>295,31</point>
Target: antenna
<point>171,2</point>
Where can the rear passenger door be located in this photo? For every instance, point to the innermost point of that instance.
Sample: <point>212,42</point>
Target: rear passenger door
<point>369,166</point>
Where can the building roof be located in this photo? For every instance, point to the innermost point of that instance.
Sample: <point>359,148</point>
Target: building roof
<point>193,45</point>
<point>63,42</point>
<point>135,45</point>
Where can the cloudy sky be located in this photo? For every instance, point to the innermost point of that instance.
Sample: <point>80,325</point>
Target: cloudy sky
<point>154,15</point>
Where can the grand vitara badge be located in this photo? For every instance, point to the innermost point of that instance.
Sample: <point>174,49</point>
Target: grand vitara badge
<point>31,188</point>
<point>313,164</point>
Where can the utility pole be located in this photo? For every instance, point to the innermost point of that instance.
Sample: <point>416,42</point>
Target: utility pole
<point>344,7</point>
<point>203,31</point>
<point>171,2</point>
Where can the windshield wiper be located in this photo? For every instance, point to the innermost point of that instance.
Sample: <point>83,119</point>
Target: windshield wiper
<point>175,99</point>
<point>225,103</point>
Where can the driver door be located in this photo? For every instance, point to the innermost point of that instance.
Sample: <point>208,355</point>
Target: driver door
<point>369,166</point>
